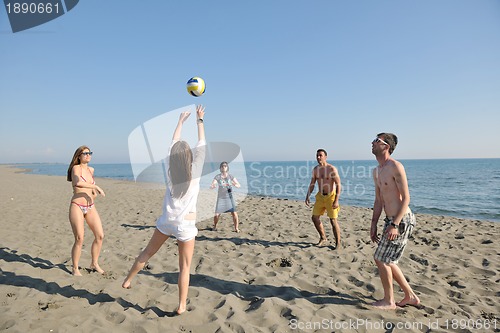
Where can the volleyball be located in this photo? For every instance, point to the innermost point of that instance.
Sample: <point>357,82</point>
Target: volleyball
<point>196,86</point>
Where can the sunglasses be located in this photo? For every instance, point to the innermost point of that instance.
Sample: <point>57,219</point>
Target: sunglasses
<point>377,140</point>
<point>87,153</point>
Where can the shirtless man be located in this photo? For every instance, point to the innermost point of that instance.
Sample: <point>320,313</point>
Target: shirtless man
<point>327,198</point>
<point>391,195</point>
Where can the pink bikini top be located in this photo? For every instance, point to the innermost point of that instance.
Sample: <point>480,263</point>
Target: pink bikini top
<point>93,180</point>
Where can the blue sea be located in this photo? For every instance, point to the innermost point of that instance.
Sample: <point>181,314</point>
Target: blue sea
<point>466,188</point>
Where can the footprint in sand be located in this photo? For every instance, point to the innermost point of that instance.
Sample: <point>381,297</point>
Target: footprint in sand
<point>420,260</point>
<point>116,318</point>
<point>8,324</point>
<point>480,271</point>
<point>370,288</point>
<point>425,290</point>
<point>355,281</point>
<point>255,303</point>
<point>456,284</point>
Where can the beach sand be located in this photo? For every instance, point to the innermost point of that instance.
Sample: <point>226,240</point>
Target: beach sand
<point>268,278</point>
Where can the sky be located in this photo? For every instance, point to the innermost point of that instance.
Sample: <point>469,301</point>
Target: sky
<point>283,78</point>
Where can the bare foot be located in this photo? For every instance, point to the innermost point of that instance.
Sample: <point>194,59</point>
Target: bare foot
<point>126,284</point>
<point>180,310</point>
<point>412,300</point>
<point>97,269</point>
<point>76,272</point>
<point>321,242</point>
<point>237,230</point>
<point>214,228</point>
<point>384,305</point>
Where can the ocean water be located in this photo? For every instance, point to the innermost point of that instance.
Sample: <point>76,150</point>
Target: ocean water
<point>466,188</point>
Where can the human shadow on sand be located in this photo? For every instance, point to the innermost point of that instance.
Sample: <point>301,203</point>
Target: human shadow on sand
<point>258,293</point>
<point>52,288</point>
<point>138,227</point>
<point>240,240</point>
<point>9,255</point>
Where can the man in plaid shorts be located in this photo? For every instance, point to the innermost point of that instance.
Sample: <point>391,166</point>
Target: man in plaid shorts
<point>392,196</point>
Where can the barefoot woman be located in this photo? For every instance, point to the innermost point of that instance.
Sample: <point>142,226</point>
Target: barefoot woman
<point>179,205</point>
<point>82,208</point>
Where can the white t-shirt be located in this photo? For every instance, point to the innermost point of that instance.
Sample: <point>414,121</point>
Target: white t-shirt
<point>175,209</point>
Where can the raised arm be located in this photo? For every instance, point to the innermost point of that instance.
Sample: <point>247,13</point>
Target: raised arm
<point>200,114</point>
<point>199,154</point>
<point>178,130</point>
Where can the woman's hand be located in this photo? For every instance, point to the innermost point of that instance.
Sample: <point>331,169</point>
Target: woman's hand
<point>100,191</point>
<point>184,116</point>
<point>200,111</point>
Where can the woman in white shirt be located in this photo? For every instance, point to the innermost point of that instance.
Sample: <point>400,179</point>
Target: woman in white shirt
<point>225,200</point>
<point>179,206</point>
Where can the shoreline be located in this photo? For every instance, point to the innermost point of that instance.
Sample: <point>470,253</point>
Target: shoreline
<point>415,208</point>
<point>238,281</point>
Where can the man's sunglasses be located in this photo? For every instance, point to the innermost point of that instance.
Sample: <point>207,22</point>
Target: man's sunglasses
<point>377,140</point>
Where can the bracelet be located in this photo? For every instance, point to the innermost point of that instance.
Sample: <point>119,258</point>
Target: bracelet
<point>200,121</point>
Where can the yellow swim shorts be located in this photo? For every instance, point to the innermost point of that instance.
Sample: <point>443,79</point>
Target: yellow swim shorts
<point>324,203</point>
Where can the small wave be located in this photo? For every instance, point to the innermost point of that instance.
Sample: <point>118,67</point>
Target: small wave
<point>468,214</point>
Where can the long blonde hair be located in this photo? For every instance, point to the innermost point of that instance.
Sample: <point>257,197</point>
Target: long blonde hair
<point>181,160</point>
<point>75,160</point>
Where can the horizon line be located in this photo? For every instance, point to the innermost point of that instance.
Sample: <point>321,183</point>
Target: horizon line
<point>305,160</point>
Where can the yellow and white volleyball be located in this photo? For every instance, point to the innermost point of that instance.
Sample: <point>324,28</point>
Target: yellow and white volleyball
<point>196,86</point>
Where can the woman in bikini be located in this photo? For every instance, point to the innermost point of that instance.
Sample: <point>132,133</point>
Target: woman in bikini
<point>82,208</point>
<point>184,168</point>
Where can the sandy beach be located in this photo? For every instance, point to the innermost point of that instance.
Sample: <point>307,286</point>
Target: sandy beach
<point>268,278</point>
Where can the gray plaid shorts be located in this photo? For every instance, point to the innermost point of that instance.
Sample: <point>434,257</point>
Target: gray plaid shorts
<point>389,251</point>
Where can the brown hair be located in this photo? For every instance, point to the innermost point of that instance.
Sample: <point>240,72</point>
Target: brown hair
<point>75,160</point>
<point>224,163</point>
<point>391,139</point>
<point>322,150</point>
<point>181,160</point>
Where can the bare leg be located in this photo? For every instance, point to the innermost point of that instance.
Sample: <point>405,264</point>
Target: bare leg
<point>94,222</point>
<point>153,246</point>
<point>410,297</point>
<point>76,220</point>
<point>186,250</point>
<point>235,221</point>
<point>216,220</point>
<point>320,229</point>
<point>387,303</point>
<point>336,232</point>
